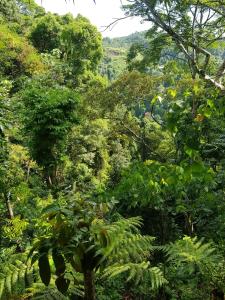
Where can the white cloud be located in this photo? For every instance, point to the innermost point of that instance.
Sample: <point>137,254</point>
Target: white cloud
<point>100,14</point>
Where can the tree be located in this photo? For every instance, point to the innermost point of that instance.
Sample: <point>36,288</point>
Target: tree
<point>20,11</point>
<point>45,34</point>
<point>189,259</point>
<point>17,56</point>
<point>4,152</point>
<point>85,237</point>
<point>30,8</point>
<point>81,45</point>
<point>195,27</point>
<point>9,10</point>
<point>48,116</point>
<point>150,143</point>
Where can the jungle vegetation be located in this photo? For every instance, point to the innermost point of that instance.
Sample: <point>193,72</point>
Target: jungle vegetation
<point>112,177</point>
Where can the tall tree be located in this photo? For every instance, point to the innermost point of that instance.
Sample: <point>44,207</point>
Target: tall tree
<point>48,116</point>
<point>194,26</point>
<point>85,237</point>
<point>82,45</point>
<point>45,33</point>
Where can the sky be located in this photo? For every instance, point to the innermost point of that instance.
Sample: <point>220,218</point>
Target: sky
<point>100,14</point>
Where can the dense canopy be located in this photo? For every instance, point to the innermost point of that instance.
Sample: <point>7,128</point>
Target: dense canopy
<point>112,154</point>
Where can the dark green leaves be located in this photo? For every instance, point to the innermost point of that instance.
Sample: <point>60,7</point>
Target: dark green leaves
<point>45,33</point>
<point>81,45</point>
<point>62,284</point>
<point>59,262</point>
<point>44,269</point>
<point>48,116</point>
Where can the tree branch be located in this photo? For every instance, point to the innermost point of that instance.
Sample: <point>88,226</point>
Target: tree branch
<point>113,23</point>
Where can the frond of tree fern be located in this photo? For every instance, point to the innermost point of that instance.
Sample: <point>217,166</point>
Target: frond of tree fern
<point>121,240</point>
<point>137,272</point>
<point>133,247</point>
<point>125,250</point>
<point>190,250</point>
<point>86,241</point>
<point>40,292</point>
<point>16,274</point>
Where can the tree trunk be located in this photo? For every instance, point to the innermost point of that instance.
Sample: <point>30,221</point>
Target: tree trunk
<point>217,295</point>
<point>9,206</point>
<point>189,224</point>
<point>89,285</point>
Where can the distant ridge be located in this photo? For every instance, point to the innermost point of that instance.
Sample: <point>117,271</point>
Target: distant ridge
<point>115,53</point>
<point>125,41</point>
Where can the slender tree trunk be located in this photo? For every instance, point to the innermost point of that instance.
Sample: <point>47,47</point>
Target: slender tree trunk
<point>89,285</point>
<point>28,170</point>
<point>143,146</point>
<point>217,295</point>
<point>10,216</point>
<point>189,224</point>
<point>9,206</point>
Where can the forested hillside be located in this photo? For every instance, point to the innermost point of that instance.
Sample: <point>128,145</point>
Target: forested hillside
<point>112,157</point>
<point>115,54</point>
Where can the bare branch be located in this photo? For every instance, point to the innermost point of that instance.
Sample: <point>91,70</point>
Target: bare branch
<point>218,85</point>
<point>113,23</point>
<point>153,117</point>
<point>221,71</point>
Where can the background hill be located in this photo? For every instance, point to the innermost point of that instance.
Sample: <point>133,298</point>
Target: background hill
<point>115,53</point>
<point>125,41</point>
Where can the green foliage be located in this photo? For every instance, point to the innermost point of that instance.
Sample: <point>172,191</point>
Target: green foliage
<point>14,228</point>
<point>142,56</point>
<point>5,87</point>
<point>16,274</point>
<point>38,292</point>
<point>29,9</point>
<point>90,155</point>
<point>45,34</point>
<point>16,55</point>
<point>19,279</point>
<point>81,45</point>
<point>190,251</point>
<point>152,183</point>
<point>82,156</point>
<point>137,274</point>
<point>48,116</point>
<point>192,36</point>
<point>9,10</point>
<point>125,41</point>
<point>113,63</point>
<point>190,260</point>
<point>115,53</point>
<point>84,237</point>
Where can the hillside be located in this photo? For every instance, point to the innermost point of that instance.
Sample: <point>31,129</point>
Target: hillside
<point>115,53</point>
<point>125,41</point>
<point>112,189</point>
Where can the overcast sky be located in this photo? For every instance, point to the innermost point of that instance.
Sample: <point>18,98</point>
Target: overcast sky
<point>100,14</point>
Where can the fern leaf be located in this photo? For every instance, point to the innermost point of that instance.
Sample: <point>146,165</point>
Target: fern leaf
<point>8,283</point>
<point>2,285</point>
<point>190,250</point>
<point>136,272</point>
<point>15,277</point>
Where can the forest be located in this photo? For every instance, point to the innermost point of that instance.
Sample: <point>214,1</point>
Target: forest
<point>112,154</point>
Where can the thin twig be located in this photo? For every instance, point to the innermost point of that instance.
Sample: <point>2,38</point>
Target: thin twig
<point>116,20</point>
